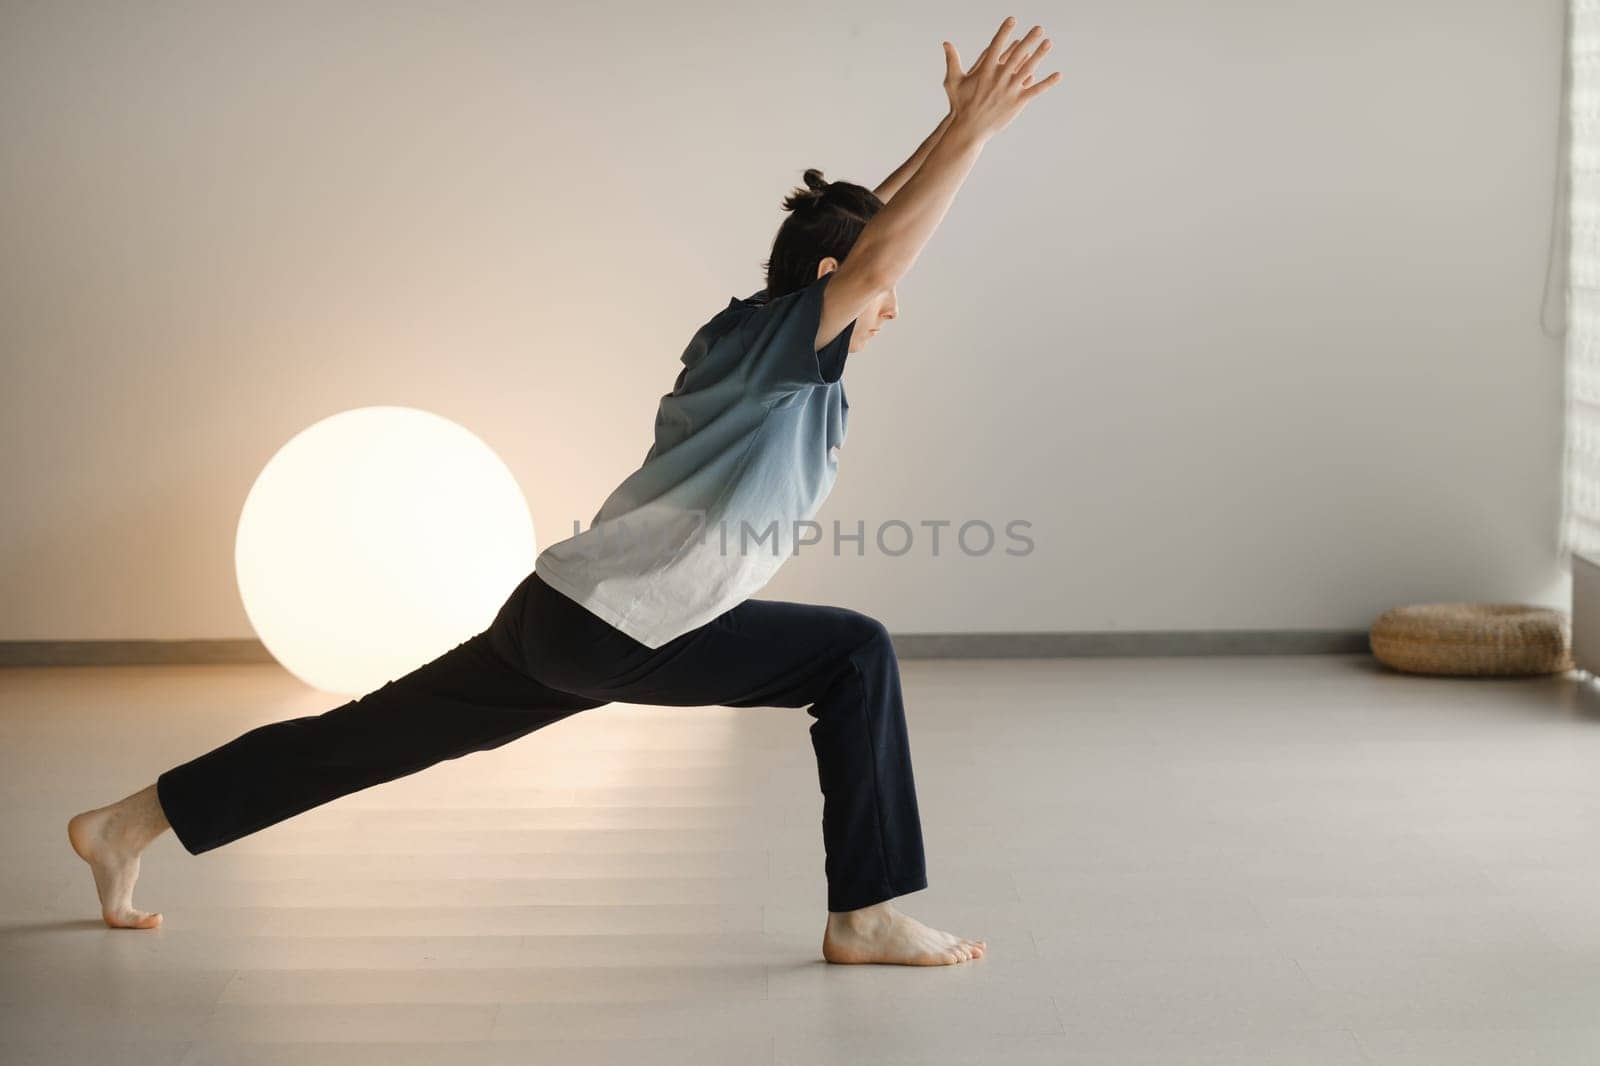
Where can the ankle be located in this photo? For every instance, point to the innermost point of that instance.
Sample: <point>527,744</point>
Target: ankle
<point>863,919</point>
<point>125,832</point>
<point>135,822</point>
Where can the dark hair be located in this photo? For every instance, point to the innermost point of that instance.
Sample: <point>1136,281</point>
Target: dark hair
<point>826,218</point>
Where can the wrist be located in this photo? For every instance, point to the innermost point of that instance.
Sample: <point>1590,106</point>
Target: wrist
<point>966,131</point>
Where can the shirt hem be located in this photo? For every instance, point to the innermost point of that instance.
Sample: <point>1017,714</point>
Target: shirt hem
<point>590,602</point>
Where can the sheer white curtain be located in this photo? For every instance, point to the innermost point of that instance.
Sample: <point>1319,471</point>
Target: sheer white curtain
<point>1580,525</point>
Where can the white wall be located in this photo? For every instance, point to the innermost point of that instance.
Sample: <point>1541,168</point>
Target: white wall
<point>1243,316</point>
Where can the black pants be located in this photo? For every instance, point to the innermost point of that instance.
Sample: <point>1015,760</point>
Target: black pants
<point>545,657</point>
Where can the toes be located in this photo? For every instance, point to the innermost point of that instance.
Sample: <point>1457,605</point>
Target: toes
<point>133,920</point>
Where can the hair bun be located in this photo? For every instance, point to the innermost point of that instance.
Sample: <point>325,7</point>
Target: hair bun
<point>818,193</point>
<point>817,184</point>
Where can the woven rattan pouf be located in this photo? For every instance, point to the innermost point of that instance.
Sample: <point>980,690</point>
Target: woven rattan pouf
<point>1473,639</point>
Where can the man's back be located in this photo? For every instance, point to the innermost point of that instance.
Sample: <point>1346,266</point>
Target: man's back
<point>744,448</point>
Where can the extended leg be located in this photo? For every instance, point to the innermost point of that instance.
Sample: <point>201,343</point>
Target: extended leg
<point>466,700</point>
<point>469,699</point>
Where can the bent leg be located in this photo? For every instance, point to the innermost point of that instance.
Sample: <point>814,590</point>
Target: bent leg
<point>837,662</point>
<point>468,699</point>
<point>870,822</point>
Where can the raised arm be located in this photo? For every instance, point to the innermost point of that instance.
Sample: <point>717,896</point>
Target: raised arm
<point>893,183</point>
<point>983,101</point>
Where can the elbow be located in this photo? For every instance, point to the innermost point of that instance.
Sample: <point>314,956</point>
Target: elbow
<point>872,264</point>
<point>878,275</point>
<point>882,281</point>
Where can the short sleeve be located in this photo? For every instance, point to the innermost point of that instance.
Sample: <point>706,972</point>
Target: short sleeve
<point>783,334</point>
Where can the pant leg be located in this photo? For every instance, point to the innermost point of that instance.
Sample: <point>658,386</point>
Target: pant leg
<point>837,662</point>
<point>468,699</point>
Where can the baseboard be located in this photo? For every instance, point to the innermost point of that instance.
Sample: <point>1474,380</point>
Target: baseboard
<point>1130,644</point>
<point>906,645</point>
<point>131,652</point>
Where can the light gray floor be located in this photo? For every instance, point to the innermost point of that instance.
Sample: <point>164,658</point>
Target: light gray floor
<point>1296,861</point>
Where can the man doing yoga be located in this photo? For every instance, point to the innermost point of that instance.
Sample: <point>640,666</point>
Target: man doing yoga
<point>650,605</point>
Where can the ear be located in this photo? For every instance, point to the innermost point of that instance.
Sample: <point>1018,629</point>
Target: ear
<point>827,266</point>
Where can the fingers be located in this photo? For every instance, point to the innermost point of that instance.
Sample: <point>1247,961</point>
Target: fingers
<point>1040,86</point>
<point>990,53</point>
<point>1019,46</point>
<point>1031,60</point>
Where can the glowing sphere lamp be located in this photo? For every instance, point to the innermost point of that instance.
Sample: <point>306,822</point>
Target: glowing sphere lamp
<point>376,540</point>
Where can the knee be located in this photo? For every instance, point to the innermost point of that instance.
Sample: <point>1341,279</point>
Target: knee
<point>868,634</point>
<point>862,685</point>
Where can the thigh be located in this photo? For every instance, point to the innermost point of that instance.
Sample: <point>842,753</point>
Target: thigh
<point>467,699</point>
<point>760,653</point>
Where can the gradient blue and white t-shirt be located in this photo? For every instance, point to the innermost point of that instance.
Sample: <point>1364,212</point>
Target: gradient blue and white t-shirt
<point>746,449</point>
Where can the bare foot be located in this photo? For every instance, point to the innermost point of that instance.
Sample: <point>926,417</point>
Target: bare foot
<point>882,934</point>
<point>110,839</point>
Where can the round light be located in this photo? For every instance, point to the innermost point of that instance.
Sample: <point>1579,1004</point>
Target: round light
<point>376,540</point>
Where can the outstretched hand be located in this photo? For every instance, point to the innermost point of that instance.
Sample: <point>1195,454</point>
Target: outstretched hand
<point>1000,82</point>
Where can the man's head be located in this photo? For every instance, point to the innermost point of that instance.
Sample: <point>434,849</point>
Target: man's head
<point>825,220</point>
